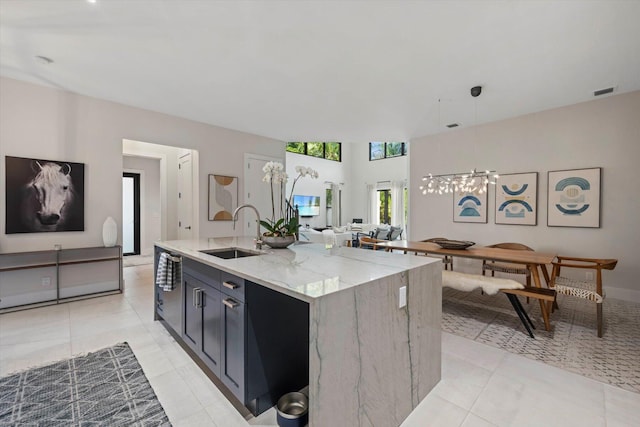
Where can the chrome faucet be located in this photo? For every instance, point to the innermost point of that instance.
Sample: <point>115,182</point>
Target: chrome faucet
<point>235,217</point>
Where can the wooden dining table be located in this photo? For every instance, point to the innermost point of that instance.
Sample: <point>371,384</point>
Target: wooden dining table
<point>535,261</point>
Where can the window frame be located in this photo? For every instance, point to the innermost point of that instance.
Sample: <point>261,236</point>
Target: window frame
<point>384,150</point>
<point>324,149</point>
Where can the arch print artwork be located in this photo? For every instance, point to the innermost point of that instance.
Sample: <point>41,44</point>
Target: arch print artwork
<point>516,199</point>
<point>469,207</point>
<point>223,197</point>
<point>574,198</point>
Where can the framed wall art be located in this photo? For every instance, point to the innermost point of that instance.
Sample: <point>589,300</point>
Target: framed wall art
<point>223,197</point>
<point>469,207</point>
<point>43,195</point>
<point>517,199</point>
<point>574,198</point>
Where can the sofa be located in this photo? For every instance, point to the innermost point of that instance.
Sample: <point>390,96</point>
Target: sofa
<point>375,231</point>
<point>315,236</point>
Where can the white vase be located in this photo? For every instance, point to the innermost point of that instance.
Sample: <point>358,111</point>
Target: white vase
<point>109,232</point>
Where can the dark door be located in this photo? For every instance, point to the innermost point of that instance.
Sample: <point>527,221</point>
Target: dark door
<point>233,336</point>
<point>130,213</point>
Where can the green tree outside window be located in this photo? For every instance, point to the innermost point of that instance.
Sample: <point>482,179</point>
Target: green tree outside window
<point>326,150</point>
<point>385,206</point>
<point>384,150</point>
<point>315,149</point>
<point>296,147</point>
<point>395,149</point>
<point>332,151</point>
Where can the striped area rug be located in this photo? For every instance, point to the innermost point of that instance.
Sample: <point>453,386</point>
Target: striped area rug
<point>104,388</point>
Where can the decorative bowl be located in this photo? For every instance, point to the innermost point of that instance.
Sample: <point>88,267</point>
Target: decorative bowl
<point>454,244</point>
<point>278,242</point>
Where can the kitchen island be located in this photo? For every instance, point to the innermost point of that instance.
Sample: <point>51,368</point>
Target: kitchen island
<point>371,357</point>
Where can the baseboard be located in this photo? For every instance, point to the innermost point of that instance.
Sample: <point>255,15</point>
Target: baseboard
<point>624,294</point>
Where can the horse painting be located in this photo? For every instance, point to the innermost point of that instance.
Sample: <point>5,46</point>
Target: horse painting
<point>49,200</point>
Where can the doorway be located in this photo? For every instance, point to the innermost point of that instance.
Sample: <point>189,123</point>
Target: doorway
<point>130,213</point>
<point>256,192</point>
<point>185,197</point>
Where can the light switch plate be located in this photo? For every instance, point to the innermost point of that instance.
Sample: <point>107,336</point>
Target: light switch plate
<point>402,297</point>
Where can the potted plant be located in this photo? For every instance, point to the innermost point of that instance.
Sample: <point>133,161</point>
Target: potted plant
<point>283,224</point>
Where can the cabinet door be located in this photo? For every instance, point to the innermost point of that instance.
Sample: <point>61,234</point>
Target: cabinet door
<point>159,302</point>
<point>172,307</point>
<point>211,328</point>
<point>233,355</point>
<point>192,333</point>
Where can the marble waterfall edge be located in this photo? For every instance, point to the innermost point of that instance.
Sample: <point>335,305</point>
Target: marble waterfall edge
<point>371,362</point>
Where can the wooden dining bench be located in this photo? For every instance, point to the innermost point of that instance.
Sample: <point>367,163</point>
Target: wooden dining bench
<point>493,285</point>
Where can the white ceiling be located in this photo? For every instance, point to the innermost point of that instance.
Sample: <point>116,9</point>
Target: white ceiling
<point>347,71</point>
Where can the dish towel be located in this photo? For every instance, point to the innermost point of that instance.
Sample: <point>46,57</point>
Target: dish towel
<point>169,272</point>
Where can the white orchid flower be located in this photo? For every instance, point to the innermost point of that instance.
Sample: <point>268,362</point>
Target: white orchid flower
<point>275,174</point>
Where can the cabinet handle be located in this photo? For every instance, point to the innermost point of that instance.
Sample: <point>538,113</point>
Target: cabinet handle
<point>199,298</point>
<point>230,303</point>
<point>230,285</point>
<point>196,299</point>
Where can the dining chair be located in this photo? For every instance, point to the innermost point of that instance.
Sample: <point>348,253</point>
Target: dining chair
<point>587,289</point>
<point>508,268</point>
<point>446,259</point>
<point>367,242</point>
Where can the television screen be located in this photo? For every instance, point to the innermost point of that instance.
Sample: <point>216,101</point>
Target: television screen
<point>307,205</point>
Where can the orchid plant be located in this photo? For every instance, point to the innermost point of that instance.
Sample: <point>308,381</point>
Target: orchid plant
<point>286,223</point>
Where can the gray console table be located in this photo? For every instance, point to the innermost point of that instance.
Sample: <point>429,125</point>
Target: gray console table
<point>30,279</point>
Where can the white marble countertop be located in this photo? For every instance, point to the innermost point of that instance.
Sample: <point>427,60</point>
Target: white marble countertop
<point>305,271</point>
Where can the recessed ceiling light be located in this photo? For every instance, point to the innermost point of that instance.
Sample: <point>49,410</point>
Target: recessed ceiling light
<point>92,1</point>
<point>43,60</point>
<point>453,125</point>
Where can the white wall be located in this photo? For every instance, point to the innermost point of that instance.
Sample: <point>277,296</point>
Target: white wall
<point>328,170</point>
<point>150,201</point>
<point>41,122</point>
<point>365,172</point>
<point>355,171</point>
<point>602,133</point>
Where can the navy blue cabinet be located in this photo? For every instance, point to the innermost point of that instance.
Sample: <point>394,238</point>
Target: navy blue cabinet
<point>202,320</point>
<point>202,301</point>
<point>192,315</point>
<point>168,303</point>
<point>233,354</point>
<point>211,328</point>
<point>277,346</point>
<point>252,338</point>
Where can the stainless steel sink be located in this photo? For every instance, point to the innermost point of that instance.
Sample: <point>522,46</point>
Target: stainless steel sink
<point>230,253</point>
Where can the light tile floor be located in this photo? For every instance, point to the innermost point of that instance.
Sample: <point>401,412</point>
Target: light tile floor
<point>481,385</point>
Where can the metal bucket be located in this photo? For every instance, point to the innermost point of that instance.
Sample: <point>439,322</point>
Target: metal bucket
<point>292,410</point>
